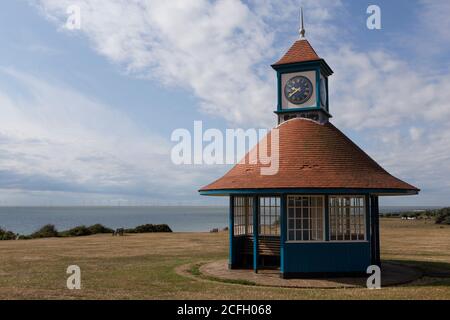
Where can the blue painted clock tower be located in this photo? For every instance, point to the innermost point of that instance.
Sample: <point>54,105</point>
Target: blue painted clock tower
<point>302,84</point>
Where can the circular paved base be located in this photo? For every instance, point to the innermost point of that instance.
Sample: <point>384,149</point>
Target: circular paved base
<point>391,274</point>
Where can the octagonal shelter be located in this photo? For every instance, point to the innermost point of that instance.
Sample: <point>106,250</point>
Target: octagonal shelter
<point>318,214</point>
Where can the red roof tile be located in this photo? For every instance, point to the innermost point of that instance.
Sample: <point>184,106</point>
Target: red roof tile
<point>311,155</point>
<point>300,51</point>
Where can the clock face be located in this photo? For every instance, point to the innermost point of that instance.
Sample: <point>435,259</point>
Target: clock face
<point>298,90</point>
<point>323,92</point>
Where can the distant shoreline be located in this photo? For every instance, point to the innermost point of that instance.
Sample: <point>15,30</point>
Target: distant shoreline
<point>28,219</point>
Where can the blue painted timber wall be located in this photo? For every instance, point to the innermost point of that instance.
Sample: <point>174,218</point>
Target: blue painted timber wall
<point>315,257</point>
<point>326,257</point>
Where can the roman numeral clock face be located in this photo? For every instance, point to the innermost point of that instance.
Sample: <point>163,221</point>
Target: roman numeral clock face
<point>298,90</point>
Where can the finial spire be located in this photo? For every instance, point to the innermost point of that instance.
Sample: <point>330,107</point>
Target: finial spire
<point>302,30</point>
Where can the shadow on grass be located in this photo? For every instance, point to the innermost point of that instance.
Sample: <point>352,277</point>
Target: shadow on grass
<point>428,268</point>
<point>399,272</point>
<point>434,274</point>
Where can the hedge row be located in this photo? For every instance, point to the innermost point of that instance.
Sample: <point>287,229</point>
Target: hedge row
<point>49,231</point>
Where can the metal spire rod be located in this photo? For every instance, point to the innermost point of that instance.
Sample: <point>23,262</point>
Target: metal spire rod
<point>302,30</point>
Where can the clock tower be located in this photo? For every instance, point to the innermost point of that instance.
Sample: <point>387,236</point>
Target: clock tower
<point>302,83</point>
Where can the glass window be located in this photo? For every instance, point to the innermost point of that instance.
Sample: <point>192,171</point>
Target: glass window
<point>269,216</point>
<point>243,216</point>
<point>347,218</point>
<point>305,218</point>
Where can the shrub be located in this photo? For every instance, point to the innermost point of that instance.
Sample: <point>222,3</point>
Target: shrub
<point>7,235</point>
<point>98,228</point>
<point>78,231</point>
<point>443,216</point>
<point>81,231</point>
<point>47,231</point>
<point>147,228</point>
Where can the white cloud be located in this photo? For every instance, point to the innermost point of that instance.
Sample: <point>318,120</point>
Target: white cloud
<point>213,48</point>
<point>378,90</point>
<point>53,138</point>
<point>423,161</point>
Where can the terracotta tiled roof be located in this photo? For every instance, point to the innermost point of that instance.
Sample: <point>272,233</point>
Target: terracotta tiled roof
<point>311,155</point>
<point>300,51</point>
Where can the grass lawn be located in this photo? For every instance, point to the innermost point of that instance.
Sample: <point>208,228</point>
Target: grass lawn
<point>142,267</point>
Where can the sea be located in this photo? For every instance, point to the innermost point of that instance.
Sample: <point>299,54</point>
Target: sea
<point>25,220</point>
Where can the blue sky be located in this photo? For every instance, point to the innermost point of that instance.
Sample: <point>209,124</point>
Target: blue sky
<point>86,115</point>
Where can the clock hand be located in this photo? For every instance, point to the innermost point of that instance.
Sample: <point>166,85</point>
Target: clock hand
<point>294,92</point>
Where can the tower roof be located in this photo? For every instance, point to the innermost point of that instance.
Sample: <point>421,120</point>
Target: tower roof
<point>301,51</point>
<point>311,156</point>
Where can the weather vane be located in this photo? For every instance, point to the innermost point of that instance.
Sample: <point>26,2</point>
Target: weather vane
<point>302,30</point>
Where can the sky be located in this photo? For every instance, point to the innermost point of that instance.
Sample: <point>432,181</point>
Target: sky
<point>86,115</point>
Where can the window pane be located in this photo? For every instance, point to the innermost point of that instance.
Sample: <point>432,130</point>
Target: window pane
<point>291,224</point>
<point>291,235</point>
<point>291,212</point>
<point>298,224</point>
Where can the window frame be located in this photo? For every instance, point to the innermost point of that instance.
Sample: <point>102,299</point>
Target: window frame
<point>247,227</point>
<point>323,218</point>
<point>278,208</point>
<point>366,220</point>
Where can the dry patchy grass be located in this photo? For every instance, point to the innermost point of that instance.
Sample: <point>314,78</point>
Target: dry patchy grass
<point>142,267</point>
